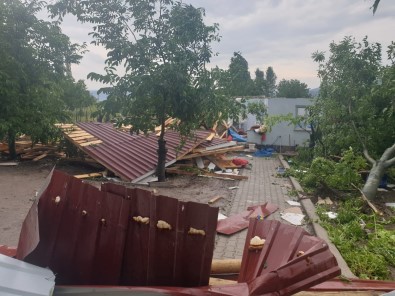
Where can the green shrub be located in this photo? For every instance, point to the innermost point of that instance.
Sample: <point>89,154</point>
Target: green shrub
<point>363,241</point>
<point>337,175</point>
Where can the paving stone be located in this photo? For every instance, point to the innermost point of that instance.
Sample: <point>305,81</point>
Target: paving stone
<point>261,186</point>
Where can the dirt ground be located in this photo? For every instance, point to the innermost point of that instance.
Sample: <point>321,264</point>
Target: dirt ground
<point>19,185</point>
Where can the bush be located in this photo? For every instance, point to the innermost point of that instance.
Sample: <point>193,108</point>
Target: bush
<point>337,175</point>
<point>367,247</point>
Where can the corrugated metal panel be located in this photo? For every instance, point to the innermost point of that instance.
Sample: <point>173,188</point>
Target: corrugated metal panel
<point>277,268</point>
<point>21,278</point>
<point>232,290</point>
<point>240,221</point>
<point>354,285</point>
<point>8,251</point>
<point>132,156</point>
<point>241,289</point>
<point>89,236</point>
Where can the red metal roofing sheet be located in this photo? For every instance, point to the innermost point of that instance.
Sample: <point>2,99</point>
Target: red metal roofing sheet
<point>277,267</point>
<point>132,156</point>
<point>8,251</point>
<point>89,236</point>
<point>354,285</point>
<point>240,221</point>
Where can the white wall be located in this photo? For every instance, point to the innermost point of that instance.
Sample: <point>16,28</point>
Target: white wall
<point>281,134</point>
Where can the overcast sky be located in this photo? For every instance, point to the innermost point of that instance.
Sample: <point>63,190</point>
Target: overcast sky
<point>278,33</point>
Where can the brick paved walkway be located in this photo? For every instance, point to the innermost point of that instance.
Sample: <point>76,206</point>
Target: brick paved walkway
<point>263,185</point>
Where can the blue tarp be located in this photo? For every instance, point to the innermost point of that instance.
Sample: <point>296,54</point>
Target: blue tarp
<point>236,137</point>
<point>266,152</point>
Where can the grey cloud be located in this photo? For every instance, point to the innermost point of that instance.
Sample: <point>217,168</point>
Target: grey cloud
<point>279,33</point>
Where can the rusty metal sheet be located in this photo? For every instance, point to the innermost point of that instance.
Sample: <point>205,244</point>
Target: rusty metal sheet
<point>230,290</point>
<point>168,255</point>
<point>8,251</point>
<point>133,156</point>
<point>277,267</point>
<point>354,285</point>
<point>88,236</point>
<point>238,222</point>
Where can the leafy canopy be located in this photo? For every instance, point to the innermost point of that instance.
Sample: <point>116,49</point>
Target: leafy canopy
<point>352,103</point>
<point>157,51</point>
<point>292,89</point>
<point>34,57</point>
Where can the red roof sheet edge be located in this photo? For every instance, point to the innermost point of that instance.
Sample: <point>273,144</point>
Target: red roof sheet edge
<point>128,164</point>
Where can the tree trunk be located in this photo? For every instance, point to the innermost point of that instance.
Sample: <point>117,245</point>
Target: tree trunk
<point>11,144</point>
<point>377,171</point>
<point>162,151</point>
<point>373,181</point>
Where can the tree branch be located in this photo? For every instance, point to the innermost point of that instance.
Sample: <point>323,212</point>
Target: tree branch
<point>368,157</point>
<point>365,150</point>
<point>387,154</point>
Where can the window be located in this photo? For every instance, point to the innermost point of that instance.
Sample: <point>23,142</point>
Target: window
<point>302,112</point>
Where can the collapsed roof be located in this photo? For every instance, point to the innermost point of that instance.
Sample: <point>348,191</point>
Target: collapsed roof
<point>132,157</point>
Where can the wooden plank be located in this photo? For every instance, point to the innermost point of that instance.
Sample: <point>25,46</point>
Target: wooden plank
<point>218,151</point>
<point>91,143</point>
<point>8,163</point>
<point>223,134</point>
<point>221,146</point>
<point>223,164</point>
<point>234,177</point>
<point>223,266</point>
<point>180,172</point>
<point>91,175</point>
<point>220,282</point>
<point>74,133</point>
<point>64,126</point>
<point>83,138</point>
<point>214,199</point>
<point>40,157</point>
<point>78,135</point>
<point>210,137</point>
<point>199,162</point>
<point>189,151</point>
<point>86,140</point>
<point>368,201</point>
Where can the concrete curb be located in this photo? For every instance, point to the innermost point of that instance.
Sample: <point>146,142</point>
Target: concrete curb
<point>318,229</point>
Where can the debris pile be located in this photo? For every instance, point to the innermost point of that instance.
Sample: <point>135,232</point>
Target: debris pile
<point>133,158</point>
<point>27,150</point>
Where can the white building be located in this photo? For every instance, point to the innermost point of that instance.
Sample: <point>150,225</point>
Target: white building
<point>283,135</point>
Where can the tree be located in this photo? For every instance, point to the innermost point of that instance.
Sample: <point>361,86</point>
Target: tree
<point>260,83</point>
<point>292,89</point>
<point>240,82</point>
<point>76,96</point>
<point>161,48</point>
<point>355,105</point>
<point>33,59</point>
<point>270,82</point>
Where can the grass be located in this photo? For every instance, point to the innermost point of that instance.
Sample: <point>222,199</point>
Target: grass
<point>365,244</point>
<point>366,241</point>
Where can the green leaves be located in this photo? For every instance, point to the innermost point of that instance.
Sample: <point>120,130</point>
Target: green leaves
<point>292,89</point>
<point>347,111</point>
<point>34,58</point>
<point>157,51</point>
<point>337,175</point>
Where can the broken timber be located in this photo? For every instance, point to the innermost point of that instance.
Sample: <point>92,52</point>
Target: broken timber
<point>212,152</point>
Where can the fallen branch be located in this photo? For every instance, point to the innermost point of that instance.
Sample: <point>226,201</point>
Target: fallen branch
<point>368,201</point>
